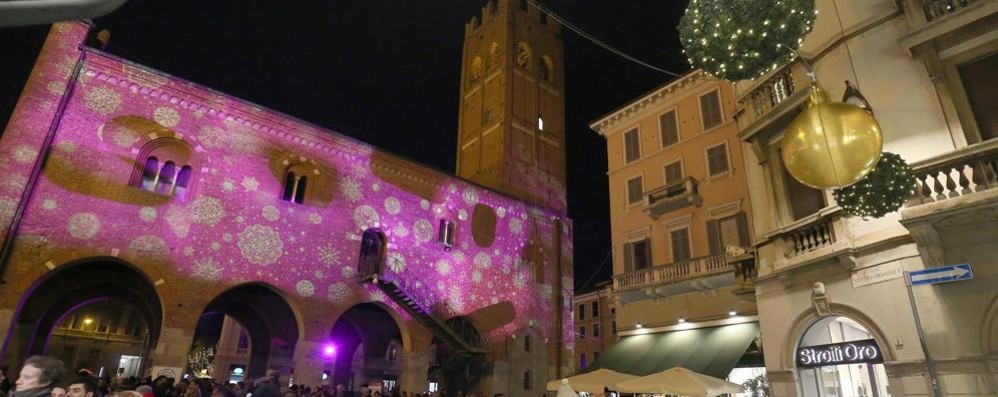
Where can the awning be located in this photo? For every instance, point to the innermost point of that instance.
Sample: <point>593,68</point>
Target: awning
<point>710,351</point>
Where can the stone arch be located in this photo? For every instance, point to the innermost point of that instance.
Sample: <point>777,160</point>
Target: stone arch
<point>989,329</point>
<point>523,55</point>
<point>363,329</point>
<point>271,319</point>
<point>808,317</point>
<point>74,284</point>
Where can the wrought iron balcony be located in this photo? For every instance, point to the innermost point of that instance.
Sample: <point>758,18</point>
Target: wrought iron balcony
<point>962,172</point>
<point>672,197</point>
<point>672,273</point>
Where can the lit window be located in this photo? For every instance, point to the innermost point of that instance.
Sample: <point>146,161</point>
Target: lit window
<point>540,123</point>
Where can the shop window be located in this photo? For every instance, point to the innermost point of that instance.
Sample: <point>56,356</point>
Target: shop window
<point>823,374</point>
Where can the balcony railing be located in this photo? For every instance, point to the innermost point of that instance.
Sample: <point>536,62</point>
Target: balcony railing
<point>811,237</point>
<point>673,272</point>
<point>961,172</point>
<point>939,8</point>
<point>762,96</point>
<point>672,197</point>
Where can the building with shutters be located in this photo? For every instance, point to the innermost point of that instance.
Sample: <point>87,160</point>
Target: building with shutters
<point>680,216</point>
<point>595,323</point>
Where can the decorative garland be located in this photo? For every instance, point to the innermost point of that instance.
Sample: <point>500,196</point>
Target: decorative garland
<point>882,191</point>
<point>743,39</point>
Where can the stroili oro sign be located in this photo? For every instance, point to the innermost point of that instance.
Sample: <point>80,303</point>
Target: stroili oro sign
<point>861,351</point>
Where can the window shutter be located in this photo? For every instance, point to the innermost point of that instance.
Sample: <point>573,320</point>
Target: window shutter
<point>743,233</point>
<point>647,249</point>
<point>628,257</point>
<point>714,237</point>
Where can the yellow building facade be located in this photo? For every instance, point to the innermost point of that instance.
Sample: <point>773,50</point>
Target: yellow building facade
<point>680,219</point>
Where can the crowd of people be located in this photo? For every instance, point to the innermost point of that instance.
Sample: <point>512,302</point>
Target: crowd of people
<point>43,376</point>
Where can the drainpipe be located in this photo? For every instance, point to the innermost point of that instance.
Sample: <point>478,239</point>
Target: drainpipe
<point>36,171</point>
<point>557,287</point>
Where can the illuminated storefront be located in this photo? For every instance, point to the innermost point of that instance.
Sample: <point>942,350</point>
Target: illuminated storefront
<point>838,357</point>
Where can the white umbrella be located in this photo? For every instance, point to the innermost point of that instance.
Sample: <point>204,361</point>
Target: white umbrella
<point>593,382</point>
<point>680,381</point>
<point>565,390</point>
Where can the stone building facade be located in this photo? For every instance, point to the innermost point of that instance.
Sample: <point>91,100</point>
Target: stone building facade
<point>125,183</point>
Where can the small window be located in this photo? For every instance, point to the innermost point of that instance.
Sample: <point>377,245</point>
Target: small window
<point>596,330</point>
<point>544,18</point>
<point>543,71</point>
<point>637,255</point>
<point>582,332</point>
<point>595,309</point>
<point>595,356</point>
<point>526,343</point>
<point>635,190</point>
<point>487,118</point>
<point>613,327</point>
<point>582,311</point>
<point>528,383</point>
<point>476,68</point>
<point>294,187</point>
<point>613,310</point>
<point>523,5</point>
<point>523,55</point>
<point>670,128</point>
<point>717,160</point>
<point>540,122</point>
<point>632,146</point>
<point>680,239</point>
<point>673,173</point>
<point>582,360</point>
<point>710,109</point>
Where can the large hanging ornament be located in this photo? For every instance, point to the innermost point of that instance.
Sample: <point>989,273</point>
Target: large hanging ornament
<point>743,39</point>
<point>882,191</point>
<point>831,144</point>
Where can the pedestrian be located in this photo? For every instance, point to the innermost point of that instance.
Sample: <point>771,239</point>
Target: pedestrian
<point>268,385</point>
<point>83,386</point>
<point>38,376</point>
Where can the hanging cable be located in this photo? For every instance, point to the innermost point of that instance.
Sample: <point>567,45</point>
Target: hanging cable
<point>598,42</point>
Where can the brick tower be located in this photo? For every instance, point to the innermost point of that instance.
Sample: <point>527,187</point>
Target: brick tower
<point>511,131</point>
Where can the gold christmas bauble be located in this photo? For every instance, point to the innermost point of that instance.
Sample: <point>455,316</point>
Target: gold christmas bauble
<point>831,144</point>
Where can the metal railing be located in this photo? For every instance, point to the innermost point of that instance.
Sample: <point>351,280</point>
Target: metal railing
<point>673,272</point>
<point>961,172</point>
<point>935,9</point>
<point>683,187</point>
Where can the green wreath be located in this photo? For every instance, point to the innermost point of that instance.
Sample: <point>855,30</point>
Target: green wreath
<point>743,39</point>
<point>882,191</point>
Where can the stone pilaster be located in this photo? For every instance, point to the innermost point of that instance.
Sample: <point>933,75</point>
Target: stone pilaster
<point>308,363</point>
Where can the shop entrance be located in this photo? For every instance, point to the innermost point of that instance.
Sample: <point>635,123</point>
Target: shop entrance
<point>838,357</point>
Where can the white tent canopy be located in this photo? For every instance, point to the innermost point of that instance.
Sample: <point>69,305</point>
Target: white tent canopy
<point>593,382</point>
<point>679,381</point>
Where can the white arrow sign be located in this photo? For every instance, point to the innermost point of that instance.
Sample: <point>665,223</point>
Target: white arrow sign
<point>942,274</point>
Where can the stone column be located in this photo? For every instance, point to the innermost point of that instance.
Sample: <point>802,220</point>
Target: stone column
<point>308,363</point>
<point>171,350</point>
<point>782,383</point>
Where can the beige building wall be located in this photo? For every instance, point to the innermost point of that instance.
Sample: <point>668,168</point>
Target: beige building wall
<point>589,342</point>
<point>904,57</point>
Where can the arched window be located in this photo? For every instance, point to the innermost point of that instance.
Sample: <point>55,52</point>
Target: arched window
<point>543,70</point>
<point>476,68</point>
<point>523,55</point>
<point>295,185</point>
<point>526,343</point>
<point>372,252</point>
<point>493,55</point>
<point>527,381</point>
<point>164,167</point>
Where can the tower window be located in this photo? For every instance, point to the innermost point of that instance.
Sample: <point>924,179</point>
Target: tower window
<point>526,343</point>
<point>523,5</point>
<point>523,55</point>
<point>527,382</point>
<point>544,18</point>
<point>540,122</point>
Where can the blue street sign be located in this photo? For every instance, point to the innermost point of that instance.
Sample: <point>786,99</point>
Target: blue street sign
<point>943,274</point>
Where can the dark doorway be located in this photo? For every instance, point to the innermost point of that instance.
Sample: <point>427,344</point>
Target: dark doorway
<point>453,367</point>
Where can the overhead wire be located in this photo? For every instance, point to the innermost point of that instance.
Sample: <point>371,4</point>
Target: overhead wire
<point>594,40</point>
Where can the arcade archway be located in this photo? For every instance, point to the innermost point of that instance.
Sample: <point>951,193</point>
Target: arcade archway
<point>368,344</point>
<point>97,313</point>
<point>268,320</point>
<point>838,356</point>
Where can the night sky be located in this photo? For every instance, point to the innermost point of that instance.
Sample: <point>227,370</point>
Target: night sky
<point>387,72</point>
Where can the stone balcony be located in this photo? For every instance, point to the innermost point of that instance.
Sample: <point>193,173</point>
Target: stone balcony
<point>953,190</point>
<point>931,19</point>
<point>672,197</point>
<point>697,274</point>
<point>771,100</point>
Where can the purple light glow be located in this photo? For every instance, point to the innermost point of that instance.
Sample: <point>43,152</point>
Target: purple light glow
<point>329,350</point>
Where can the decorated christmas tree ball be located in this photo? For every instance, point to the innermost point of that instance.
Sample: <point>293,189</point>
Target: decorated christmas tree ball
<point>743,39</point>
<point>882,191</point>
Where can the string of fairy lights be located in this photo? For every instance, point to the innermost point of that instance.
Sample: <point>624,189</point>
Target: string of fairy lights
<point>882,191</point>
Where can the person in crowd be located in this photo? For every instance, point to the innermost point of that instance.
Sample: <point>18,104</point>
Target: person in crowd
<point>58,391</point>
<point>126,393</point>
<point>83,386</point>
<point>268,385</point>
<point>6,384</point>
<point>145,390</point>
<point>38,376</point>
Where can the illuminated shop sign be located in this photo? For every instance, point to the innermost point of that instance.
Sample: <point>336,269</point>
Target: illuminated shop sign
<point>861,351</point>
